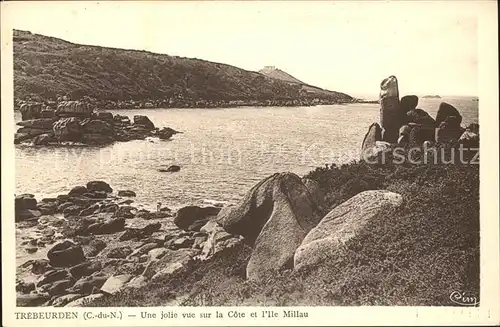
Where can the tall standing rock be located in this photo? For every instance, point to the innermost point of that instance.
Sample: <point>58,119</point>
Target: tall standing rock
<point>389,109</point>
<point>275,216</point>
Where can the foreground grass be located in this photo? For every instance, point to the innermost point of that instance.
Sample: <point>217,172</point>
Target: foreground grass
<point>415,255</point>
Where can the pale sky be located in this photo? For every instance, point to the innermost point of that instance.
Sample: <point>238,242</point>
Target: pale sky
<point>343,46</point>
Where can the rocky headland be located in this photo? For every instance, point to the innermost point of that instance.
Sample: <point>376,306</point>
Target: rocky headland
<point>373,232</point>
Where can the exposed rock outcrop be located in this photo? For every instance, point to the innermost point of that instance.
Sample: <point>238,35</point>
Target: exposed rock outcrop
<point>78,122</point>
<point>74,108</point>
<point>341,224</point>
<point>415,127</point>
<point>68,129</point>
<point>274,216</point>
<point>217,240</point>
<point>170,263</point>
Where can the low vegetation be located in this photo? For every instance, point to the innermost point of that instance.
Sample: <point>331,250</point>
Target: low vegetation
<point>417,254</point>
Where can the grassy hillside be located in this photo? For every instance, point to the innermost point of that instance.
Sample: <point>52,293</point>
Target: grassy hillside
<point>415,255</point>
<point>45,67</point>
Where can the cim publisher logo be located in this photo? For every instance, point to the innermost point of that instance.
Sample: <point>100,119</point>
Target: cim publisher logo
<point>464,298</point>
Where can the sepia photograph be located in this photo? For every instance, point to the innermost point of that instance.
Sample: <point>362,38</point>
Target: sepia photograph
<point>246,154</point>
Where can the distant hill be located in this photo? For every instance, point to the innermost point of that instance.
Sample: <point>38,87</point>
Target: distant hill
<point>273,72</point>
<point>47,67</point>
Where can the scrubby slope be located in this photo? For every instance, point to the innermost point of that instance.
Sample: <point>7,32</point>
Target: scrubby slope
<point>45,67</point>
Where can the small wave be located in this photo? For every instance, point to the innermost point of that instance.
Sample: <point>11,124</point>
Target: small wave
<point>215,203</point>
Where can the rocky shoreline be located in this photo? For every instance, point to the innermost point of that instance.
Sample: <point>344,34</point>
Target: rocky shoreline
<point>94,243</point>
<point>185,103</point>
<point>75,122</point>
<point>91,243</point>
<point>80,122</point>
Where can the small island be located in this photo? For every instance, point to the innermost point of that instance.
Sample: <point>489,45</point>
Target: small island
<point>365,101</point>
<point>431,96</point>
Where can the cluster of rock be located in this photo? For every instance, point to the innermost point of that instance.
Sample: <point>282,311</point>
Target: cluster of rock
<point>402,123</point>
<point>99,244</point>
<point>178,101</point>
<point>191,103</point>
<point>78,122</point>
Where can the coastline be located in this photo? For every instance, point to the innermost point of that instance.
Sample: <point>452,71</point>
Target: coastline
<point>336,225</point>
<point>202,104</point>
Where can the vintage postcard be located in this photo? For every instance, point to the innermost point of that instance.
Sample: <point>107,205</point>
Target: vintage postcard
<point>220,163</point>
